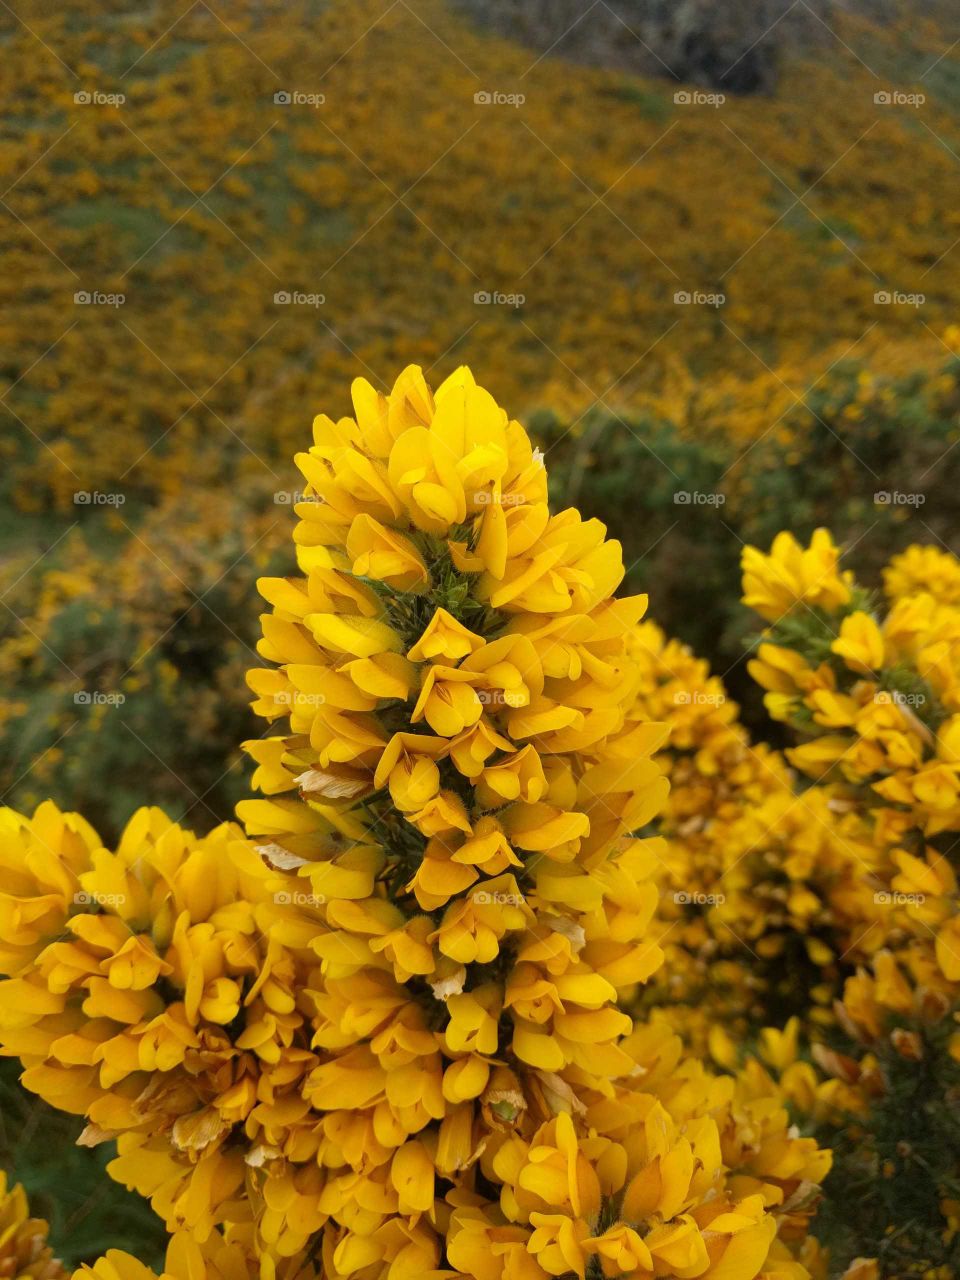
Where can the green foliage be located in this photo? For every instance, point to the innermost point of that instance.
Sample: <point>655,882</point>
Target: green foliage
<point>897,1164</point>
<point>123,659</point>
<point>632,475</point>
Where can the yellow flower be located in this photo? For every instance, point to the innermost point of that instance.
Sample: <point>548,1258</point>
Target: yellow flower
<point>621,1251</point>
<point>378,552</point>
<point>860,643</point>
<point>24,1252</point>
<point>408,766</point>
<point>157,1007</point>
<point>221,1257</point>
<point>792,575</point>
<point>448,700</point>
<point>445,639</point>
<point>41,861</point>
<point>923,569</point>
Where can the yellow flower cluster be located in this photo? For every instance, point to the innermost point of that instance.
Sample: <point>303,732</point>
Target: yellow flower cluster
<point>877,700</point>
<point>760,885</point>
<point>382,1036</point>
<point>875,694</point>
<point>24,1252</point>
<point>144,993</point>
<point>846,886</point>
<point>923,570</point>
<point>791,576</point>
<point>231,1256</point>
<point>455,674</point>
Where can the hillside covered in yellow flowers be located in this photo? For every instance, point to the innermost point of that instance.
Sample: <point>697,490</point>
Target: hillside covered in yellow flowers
<point>152,154</point>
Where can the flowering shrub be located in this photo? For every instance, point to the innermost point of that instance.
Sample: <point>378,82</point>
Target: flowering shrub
<point>383,1033</point>
<point>440,1001</point>
<point>847,879</point>
<point>865,446</point>
<point>875,698</point>
<point>144,996</point>
<point>758,883</point>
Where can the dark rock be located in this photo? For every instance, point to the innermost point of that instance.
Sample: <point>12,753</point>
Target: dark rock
<point>728,45</point>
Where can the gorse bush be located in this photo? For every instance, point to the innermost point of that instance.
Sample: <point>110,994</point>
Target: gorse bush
<point>123,656</point>
<point>515,930</point>
<point>837,883</point>
<point>440,1005</point>
<point>381,1033</point>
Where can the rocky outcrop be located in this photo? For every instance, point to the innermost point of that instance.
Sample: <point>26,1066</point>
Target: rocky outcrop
<point>729,45</point>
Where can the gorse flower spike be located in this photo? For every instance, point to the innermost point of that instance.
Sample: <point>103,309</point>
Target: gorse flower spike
<point>456,678</point>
